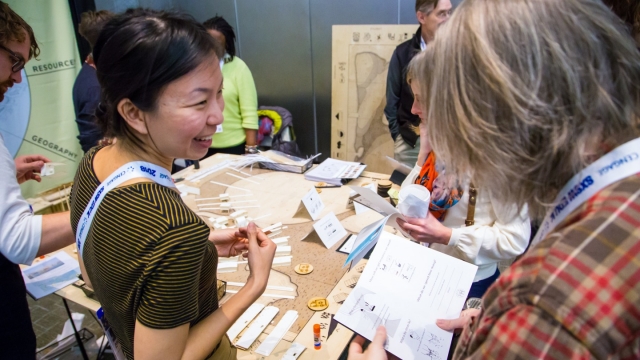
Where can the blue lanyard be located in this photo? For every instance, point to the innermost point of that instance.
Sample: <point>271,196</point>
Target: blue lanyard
<point>129,171</point>
<point>618,164</point>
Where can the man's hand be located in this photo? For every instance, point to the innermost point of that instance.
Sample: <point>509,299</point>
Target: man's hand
<point>428,230</point>
<point>375,351</point>
<point>28,167</point>
<point>465,317</point>
<point>229,242</point>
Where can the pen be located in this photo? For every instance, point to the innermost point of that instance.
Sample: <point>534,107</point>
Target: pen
<point>328,186</point>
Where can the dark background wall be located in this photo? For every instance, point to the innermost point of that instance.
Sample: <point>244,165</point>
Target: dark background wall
<point>287,46</point>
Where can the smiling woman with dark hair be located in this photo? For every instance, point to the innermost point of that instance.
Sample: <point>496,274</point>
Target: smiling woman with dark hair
<point>151,260</point>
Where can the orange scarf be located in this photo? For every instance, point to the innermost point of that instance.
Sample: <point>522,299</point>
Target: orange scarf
<point>427,178</point>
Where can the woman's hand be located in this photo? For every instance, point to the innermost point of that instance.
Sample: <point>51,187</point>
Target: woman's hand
<point>466,317</point>
<point>229,242</point>
<point>28,167</point>
<point>375,351</point>
<point>428,230</point>
<point>260,257</point>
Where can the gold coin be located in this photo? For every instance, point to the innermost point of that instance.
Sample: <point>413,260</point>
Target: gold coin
<point>318,190</point>
<point>303,268</point>
<point>384,183</point>
<point>318,303</point>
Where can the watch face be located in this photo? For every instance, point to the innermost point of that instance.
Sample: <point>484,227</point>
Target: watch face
<point>473,303</point>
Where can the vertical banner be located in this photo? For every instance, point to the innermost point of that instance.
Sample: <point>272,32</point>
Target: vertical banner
<point>37,116</point>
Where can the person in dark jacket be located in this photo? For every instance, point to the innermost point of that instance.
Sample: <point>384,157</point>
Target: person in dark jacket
<point>86,89</point>
<point>403,125</point>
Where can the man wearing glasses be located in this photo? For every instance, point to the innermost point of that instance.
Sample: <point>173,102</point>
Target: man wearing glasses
<point>403,125</point>
<point>23,235</point>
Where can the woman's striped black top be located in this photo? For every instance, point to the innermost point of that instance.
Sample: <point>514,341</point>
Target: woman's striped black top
<point>147,254</point>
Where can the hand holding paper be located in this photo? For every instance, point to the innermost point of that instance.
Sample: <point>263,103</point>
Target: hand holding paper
<point>375,351</point>
<point>453,324</point>
<point>28,167</point>
<point>427,230</point>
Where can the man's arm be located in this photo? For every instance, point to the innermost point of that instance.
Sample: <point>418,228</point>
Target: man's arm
<point>394,85</point>
<point>23,235</point>
<point>56,232</point>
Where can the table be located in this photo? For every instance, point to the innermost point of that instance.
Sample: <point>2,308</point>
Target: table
<point>278,195</point>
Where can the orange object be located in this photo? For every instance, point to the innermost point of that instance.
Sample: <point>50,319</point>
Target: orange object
<point>316,336</point>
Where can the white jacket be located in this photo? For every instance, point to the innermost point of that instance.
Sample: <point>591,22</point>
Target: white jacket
<point>499,232</point>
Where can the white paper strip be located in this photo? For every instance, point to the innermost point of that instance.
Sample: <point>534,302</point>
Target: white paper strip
<point>281,240</point>
<point>206,172</point>
<point>240,177</point>
<point>227,185</point>
<point>277,333</point>
<point>269,287</point>
<point>257,327</point>
<point>229,266</point>
<point>282,261</point>
<point>217,198</point>
<point>294,351</point>
<point>283,250</point>
<point>277,296</point>
<point>233,207</point>
<point>274,226</point>
<point>244,320</point>
<point>188,189</point>
<point>230,202</point>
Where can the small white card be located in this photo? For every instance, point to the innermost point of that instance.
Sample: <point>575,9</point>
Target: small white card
<point>347,246</point>
<point>47,170</point>
<point>313,203</point>
<point>361,209</point>
<point>294,351</point>
<point>329,229</point>
<point>219,129</point>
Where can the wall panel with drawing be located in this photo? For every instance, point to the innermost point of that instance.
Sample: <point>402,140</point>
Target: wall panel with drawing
<point>360,61</point>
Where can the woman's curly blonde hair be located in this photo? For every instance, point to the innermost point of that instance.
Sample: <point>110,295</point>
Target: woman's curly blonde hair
<point>522,94</point>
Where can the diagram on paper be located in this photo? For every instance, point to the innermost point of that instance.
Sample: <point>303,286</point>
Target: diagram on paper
<point>407,287</point>
<point>425,343</point>
<point>402,270</point>
<point>374,312</point>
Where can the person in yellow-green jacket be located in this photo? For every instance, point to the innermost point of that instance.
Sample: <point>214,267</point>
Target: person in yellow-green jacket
<point>238,132</point>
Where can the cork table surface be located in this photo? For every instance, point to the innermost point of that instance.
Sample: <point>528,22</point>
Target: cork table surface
<point>271,197</point>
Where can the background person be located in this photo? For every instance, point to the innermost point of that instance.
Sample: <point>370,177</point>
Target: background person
<point>530,115</point>
<point>23,236</point>
<point>86,89</point>
<point>500,231</point>
<point>403,124</point>
<point>151,260</point>
<point>240,128</point>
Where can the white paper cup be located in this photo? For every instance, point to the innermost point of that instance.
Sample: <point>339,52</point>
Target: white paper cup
<point>416,190</point>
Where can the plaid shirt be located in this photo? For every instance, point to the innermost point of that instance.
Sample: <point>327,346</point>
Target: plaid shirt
<point>574,296</point>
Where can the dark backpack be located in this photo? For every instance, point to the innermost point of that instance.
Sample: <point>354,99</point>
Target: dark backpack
<point>284,139</point>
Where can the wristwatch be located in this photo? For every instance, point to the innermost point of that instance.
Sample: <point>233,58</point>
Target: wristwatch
<point>251,149</point>
<point>473,303</point>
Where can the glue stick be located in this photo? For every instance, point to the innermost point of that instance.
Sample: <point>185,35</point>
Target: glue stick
<point>316,337</point>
